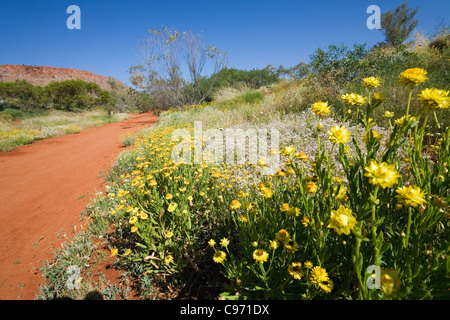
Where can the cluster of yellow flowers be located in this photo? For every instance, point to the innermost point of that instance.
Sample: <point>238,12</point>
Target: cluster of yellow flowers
<point>280,216</point>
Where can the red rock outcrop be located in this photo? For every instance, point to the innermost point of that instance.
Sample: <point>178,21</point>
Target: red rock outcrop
<point>41,76</point>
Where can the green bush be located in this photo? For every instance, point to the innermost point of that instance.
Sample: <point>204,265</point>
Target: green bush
<point>255,78</point>
<point>250,97</point>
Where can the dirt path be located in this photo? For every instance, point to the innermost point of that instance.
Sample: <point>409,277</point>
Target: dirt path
<point>43,189</point>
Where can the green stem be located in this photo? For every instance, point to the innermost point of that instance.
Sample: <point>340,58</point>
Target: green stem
<point>408,228</point>
<point>374,227</point>
<point>419,139</point>
<point>436,119</point>
<point>369,108</point>
<point>409,101</point>
<point>357,269</point>
<point>356,127</point>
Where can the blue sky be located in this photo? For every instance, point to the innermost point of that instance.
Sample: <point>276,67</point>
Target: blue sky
<point>254,32</point>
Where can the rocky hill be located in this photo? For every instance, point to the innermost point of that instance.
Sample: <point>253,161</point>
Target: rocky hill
<point>41,76</point>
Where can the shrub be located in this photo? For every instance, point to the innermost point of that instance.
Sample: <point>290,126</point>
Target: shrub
<point>72,129</point>
<point>127,139</point>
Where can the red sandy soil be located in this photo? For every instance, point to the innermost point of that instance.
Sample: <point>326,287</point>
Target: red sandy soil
<point>43,189</point>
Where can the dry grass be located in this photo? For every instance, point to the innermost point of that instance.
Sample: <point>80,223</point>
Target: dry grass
<point>14,134</point>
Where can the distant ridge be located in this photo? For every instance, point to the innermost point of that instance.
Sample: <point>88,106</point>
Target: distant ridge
<point>41,75</point>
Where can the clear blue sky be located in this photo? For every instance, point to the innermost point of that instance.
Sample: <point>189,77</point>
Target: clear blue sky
<point>254,32</point>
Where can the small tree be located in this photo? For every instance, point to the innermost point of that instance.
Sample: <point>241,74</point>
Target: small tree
<point>173,67</point>
<point>397,25</point>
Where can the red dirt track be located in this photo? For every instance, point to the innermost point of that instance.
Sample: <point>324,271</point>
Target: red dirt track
<point>43,189</point>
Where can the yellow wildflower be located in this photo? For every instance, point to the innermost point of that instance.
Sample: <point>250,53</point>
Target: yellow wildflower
<point>172,207</point>
<point>168,259</point>
<point>311,187</point>
<point>412,77</point>
<point>295,270</point>
<point>434,99</point>
<point>342,220</point>
<point>224,242</point>
<point>382,175</point>
<point>411,196</point>
<point>284,207</point>
<point>388,115</point>
<point>235,204</point>
<point>287,151</point>
<point>133,220</point>
<point>274,244</point>
<point>371,82</point>
<point>338,134</point>
<point>283,235</point>
<point>326,285</point>
<point>319,274</point>
<point>219,256</point>
<point>320,108</point>
<point>267,193</point>
<point>260,255</point>
<point>291,245</point>
<point>405,118</point>
<point>353,99</point>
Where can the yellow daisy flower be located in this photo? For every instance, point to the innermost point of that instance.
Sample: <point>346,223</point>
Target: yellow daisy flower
<point>371,82</point>
<point>224,242</point>
<point>287,150</point>
<point>260,255</point>
<point>311,187</point>
<point>382,175</point>
<point>411,196</point>
<point>412,77</point>
<point>283,235</point>
<point>405,118</point>
<point>267,193</point>
<point>172,207</point>
<point>388,115</point>
<point>295,270</point>
<point>274,244</point>
<point>326,286</point>
<point>353,99</point>
<point>321,108</point>
<point>133,220</point>
<point>168,259</point>
<point>235,204</point>
<point>342,220</point>
<point>434,99</point>
<point>319,274</point>
<point>284,207</point>
<point>291,245</point>
<point>338,134</point>
<point>219,256</point>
